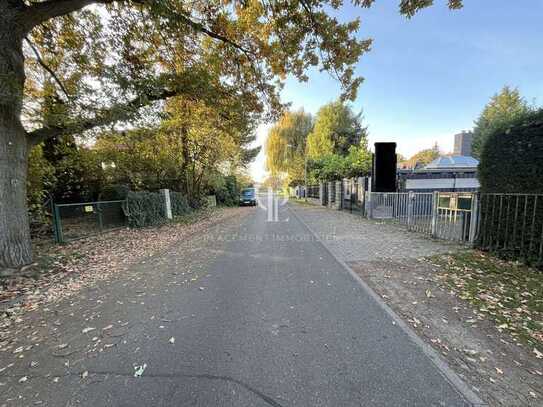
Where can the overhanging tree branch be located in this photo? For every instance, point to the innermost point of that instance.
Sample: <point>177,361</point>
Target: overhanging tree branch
<point>46,67</point>
<point>38,13</point>
<point>106,116</point>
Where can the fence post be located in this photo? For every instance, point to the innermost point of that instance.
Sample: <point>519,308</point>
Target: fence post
<point>167,203</point>
<point>321,193</point>
<point>410,209</point>
<point>100,217</point>
<point>339,194</point>
<point>57,225</point>
<point>368,203</point>
<point>474,220</point>
<point>435,201</point>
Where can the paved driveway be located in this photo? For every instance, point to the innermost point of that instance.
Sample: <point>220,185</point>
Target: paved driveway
<point>250,314</point>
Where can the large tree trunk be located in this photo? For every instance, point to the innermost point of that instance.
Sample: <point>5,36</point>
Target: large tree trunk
<point>15,245</point>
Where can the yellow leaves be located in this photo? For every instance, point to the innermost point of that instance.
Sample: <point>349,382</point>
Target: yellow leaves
<point>504,292</point>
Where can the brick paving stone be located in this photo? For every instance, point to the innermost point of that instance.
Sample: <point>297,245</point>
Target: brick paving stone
<point>353,238</point>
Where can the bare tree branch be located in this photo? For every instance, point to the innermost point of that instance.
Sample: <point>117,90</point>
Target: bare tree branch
<point>47,68</point>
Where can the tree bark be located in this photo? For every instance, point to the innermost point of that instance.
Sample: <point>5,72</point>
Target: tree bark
<point>15,245</point>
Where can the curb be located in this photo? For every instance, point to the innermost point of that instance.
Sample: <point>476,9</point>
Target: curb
<point>450,376</point>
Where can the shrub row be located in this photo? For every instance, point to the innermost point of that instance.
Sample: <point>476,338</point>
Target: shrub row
<point>512,156</point>
<point>147,208</point>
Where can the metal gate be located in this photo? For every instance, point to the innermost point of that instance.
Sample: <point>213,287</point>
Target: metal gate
<point>444,215</point>
<point>354,196</point>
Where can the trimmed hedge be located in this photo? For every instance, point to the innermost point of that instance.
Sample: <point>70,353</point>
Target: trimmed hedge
<point>511,176</point>
<point>180,204</point>
<point>147,208</point>
<point>512,156</point>
<point>144,209</point>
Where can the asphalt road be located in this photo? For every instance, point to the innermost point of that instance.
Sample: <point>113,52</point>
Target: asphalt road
<point>259,315</point>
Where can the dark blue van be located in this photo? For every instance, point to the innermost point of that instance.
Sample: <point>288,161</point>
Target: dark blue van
<point>248,197</point>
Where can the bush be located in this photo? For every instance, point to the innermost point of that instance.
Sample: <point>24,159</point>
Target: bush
<point>512,156</point>
<point>511,174</point>
<point>225,190</point>
<point>115,192</point>
<point>144,209</point>
<point>40,180</point>
<point>180,204</point>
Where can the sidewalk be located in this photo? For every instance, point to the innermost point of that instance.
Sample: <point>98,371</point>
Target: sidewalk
<point>353,238</point>
<point>402,268</point>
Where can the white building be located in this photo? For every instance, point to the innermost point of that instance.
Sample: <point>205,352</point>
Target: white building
<point>455,173</point>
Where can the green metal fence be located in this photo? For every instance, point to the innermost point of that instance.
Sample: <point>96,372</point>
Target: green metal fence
<point>79,220</point>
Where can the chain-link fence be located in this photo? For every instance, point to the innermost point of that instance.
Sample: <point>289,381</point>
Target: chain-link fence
<point>78,220</point>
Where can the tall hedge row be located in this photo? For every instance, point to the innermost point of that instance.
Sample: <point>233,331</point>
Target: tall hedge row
<point>511,176</point>
<point>144,209</point>
<point>512,157</point>
<point>180,204</point>
<point>147,208</point>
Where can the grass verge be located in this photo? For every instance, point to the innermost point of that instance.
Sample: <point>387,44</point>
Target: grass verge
<point>509,293</point>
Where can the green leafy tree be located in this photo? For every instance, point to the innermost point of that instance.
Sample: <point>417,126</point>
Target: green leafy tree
<point>107,70</point>
<point>358,161</point>
<point>336,129</point>
<point>142,159</point>
<point>424,157</point>
<point>503,107</point>
<point>41,179</point>
<point>286,145</point>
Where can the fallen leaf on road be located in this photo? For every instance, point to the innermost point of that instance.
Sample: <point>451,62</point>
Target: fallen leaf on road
<point>84,374</point>
<point>139,370</point>
<point>88,329</point>
<point>23,379</point>
<point>538,354</point>
<point>172,340</point>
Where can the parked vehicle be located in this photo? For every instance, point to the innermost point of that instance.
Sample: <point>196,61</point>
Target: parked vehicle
<point>248,197</point>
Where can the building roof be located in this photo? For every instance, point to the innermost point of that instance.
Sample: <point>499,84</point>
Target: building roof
<point>453,162</point>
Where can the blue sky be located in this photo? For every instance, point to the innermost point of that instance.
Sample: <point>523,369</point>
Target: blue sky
<point>429,77</point>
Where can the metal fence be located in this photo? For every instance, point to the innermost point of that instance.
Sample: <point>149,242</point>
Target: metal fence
<point>313,191</point>
<point>354,196</point>
<point>79,220</point>
<point>444,215</point>
<point>511,225</point>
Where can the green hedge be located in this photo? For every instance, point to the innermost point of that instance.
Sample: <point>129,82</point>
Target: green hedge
<point>147,208</point>
<point>226,191</point>
<point>512,156</point>
<point>511,176</point>
<point>180,204</point>
<point>144,209</point>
